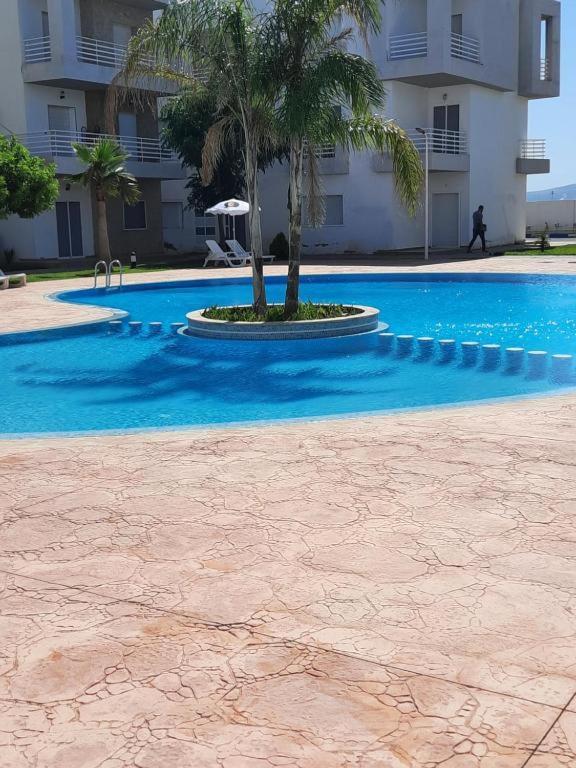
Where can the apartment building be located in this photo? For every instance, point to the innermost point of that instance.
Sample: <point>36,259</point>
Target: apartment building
<point>57,58</point>
<point>465,72</point>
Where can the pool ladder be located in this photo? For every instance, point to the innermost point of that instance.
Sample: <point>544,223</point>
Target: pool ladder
<point>109,271</point>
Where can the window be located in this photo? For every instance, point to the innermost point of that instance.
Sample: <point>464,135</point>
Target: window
<point>172,216</point>
<point>334,211</point>
<point>205,225</point>
<point>135,215</point>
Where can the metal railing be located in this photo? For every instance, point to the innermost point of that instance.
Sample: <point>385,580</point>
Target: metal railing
<point>59,144</point>
<point>37,49</point>
<point>410,46</point>
<point>545,69</point>
<point>533,149</point>
<point>103,53</point>
<point>441,141</point>
<point>465,47</point>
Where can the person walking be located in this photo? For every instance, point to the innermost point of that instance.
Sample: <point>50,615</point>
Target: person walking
<point>479,229</point>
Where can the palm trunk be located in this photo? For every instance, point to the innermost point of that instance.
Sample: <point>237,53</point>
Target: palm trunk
<point>103,239</point>
<point>258,285</point>
<point>296,180</point>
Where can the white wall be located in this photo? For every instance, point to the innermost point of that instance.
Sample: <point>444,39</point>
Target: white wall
<point>556,214</point>
<point>38,97</point>
<point>498,123</point>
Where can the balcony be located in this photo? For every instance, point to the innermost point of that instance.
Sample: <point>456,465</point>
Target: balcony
<point>465,47</point>
<point>88,62</point>
<point>532,157</point>
<point>146,157</point>
<point>448,152</point>
<point>434,59</point>
<point>333,160</point>
<point>412,46</point>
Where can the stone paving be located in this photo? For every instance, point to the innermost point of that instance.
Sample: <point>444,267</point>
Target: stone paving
<point>394,591</point>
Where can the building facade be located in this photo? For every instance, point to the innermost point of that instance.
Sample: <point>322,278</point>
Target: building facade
<point>57,59</point>
<point>465,72</point>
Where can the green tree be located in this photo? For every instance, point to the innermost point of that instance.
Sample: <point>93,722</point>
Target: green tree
<point>28,185</point>
<point>186,119</point>
<point>213,46</point>
<point>106,175</point>
<point>329,96</point>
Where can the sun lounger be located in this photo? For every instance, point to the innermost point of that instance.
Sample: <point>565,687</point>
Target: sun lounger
<point>217,256</point>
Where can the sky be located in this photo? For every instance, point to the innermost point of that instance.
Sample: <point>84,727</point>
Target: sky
<point>552,119</point>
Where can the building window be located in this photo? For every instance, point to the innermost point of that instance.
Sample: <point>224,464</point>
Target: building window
<point>205,225</point>
<point>334,211</point>
<point>172,216</point>
<point>135,215</point>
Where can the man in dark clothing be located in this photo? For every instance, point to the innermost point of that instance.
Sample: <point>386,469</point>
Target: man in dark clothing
<point>479,229</point>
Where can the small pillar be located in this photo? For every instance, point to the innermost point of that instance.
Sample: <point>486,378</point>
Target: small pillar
<point>492,355</point>
<point>405,345</point>
<point>514,359</point>
<point>135,326</point>
<point>537,363</point>
<point>470,353</point>
<point>562,368</point>
<point>425,347</point>
<point>175,327</point>
<point>155,328</point>
<point>387,341</point>
<point>115,325</point>
<point>447,349</point>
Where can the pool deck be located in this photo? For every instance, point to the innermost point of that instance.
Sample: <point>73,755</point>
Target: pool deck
<point>394,591</point>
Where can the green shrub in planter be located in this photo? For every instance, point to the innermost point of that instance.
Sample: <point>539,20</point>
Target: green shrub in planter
<point>279,247</point>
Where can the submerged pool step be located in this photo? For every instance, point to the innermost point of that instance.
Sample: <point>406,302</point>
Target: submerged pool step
<point>534,364</point>
<point>154,328</point>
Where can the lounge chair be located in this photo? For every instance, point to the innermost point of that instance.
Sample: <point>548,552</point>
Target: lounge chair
<point>217,256</point>
<point>237,249</point>
<point>16,279</point>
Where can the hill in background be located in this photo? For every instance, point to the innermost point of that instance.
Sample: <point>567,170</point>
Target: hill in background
<point>556,193</point>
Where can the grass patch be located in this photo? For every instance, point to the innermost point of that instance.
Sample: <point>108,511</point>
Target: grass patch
<point>275,314</point>
<point>559,250</point>
<point>41,277</point>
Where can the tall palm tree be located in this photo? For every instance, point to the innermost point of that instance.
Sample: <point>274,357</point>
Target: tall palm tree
<point>213,45</point>
<point>328,95</point>
<point>106,174</point>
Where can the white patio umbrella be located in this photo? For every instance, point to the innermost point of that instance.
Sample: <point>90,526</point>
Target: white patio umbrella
<point>232,208</point>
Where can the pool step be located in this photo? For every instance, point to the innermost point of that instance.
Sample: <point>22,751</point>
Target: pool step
<point>135,327</point>
<point>534,364</point>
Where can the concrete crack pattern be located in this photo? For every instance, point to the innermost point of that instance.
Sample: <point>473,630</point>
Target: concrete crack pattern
<point>382,592</point>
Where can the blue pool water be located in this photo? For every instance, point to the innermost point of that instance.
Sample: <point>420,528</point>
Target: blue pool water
<point>89,378</point>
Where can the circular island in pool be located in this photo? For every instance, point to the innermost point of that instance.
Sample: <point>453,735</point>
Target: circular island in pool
<point>348,321</point>
<point>453,339</point>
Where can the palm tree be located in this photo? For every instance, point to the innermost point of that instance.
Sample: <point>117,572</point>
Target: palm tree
<point>216,46</point>
<point>328,96</point>
<point>106,174</point>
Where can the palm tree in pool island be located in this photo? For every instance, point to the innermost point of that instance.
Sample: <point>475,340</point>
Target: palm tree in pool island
<point>328,95</point>
<point>216,47</point>
<point>105,173</point>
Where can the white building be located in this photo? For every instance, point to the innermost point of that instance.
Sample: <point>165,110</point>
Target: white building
<point>465,70</point>
<point>57,58</point>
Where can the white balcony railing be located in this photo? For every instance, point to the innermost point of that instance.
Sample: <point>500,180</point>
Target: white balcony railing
<point>411,46</point>
<point>102,52</point>
<point>533,149</point>
<point>37,49</point>
<point>545,69</point>
<point>59,144</point>
<point>441,141</point>
<point>465,47</point>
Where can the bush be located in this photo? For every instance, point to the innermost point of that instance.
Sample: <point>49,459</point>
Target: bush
<point>275,313</point>
<point>279,247</point>
<point>28,185</point>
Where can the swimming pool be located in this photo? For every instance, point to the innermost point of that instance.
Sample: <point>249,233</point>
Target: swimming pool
<point>90,378</point>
